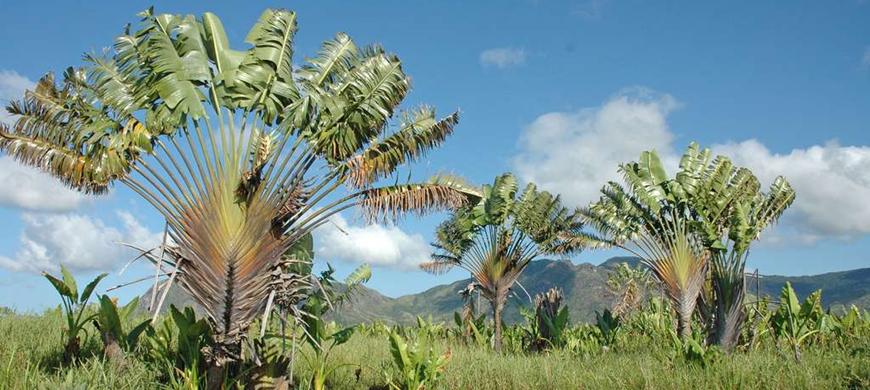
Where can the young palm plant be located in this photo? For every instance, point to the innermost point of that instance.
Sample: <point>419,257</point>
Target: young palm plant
<point>497,236</point>
<point>241,152</point>
<point>75,308</point>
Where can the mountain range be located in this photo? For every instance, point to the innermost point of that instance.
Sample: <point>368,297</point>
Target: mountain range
<point>584,288</point>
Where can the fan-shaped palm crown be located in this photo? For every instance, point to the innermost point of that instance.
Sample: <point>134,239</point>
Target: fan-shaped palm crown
<point>239,150</point>
<point>498,234</point>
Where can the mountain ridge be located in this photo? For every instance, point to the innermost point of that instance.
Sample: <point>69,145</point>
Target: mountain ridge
<point>584,288</point>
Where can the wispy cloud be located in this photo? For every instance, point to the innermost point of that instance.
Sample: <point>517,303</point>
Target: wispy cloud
<point>591,9</point>
<point>503,57</point>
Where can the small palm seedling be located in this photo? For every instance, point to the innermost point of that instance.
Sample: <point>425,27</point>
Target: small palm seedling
<point>796,321</point>
<point>177,346</point>
<point>694,350</point>
<point>550,322</point>
<point>629,285</point>
<point>417,365</point>
<point>74,308</point>
<point>850,324</point>
<point>608,325</point>
<point>323,337</point>
<point>583,340</point>
<point>110,321</point>
<point>472,327</point>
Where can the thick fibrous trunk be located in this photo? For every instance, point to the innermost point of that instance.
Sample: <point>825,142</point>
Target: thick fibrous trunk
<point>221,361</point>
<point>497,307</point>
<point>730,317</point>
<point>684,322</point>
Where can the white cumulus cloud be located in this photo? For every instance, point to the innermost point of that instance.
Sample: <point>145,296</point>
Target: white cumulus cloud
<point>832,183</point>
<point>576,153</point>
<point>503,57</point>
<point>375,244</point>
<point>77,241</point>
<point>30,189</point>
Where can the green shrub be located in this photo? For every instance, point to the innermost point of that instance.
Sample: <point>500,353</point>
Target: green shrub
<point>175,348</point>
<point>110,323</point>
<point>74,309</point>
<point>416,365</point>
<point>795,321</point>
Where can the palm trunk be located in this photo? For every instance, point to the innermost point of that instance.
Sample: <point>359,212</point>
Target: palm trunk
<point>730,317</point>
<point>497,307</point>
<point>220,363</point>
<point>684,322</point>
<point>214,377</point>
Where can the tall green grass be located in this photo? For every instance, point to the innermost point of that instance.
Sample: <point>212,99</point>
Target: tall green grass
<point>31,357</point>
<point>31,352</point>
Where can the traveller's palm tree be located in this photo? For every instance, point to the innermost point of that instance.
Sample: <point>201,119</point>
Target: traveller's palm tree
<point>731,211</point>
<point>495,238</point>
<point>702,219</point>
<point>242,152</point>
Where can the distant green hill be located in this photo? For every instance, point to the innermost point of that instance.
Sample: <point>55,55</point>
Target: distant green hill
<point>584,287</point>
<point>838,288</point>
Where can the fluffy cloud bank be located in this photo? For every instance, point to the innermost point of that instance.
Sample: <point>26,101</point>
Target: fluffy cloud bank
<point>29,189</point>
<point>832,184</point>
<point>504,57</point>
<point>79,242</point>
<point>379,245</point>
<point>575,153</point>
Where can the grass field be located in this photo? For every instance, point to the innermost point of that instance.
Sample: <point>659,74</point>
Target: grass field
<point>31,350</point>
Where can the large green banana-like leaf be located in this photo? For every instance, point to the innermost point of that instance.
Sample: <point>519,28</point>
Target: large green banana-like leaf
<point>360,275</point>
<point>226,60</point>
<point>264,79</point>
<point>692,166</point>
<point>495,208</point>
<point>647,179</point>
<point>334,58</point>
<point>176,68</point>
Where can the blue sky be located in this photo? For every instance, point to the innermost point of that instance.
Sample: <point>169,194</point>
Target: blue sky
<point>558,92</point>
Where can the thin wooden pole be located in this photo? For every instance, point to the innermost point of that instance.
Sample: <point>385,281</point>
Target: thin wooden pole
<point>157,266</point>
